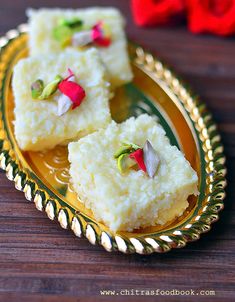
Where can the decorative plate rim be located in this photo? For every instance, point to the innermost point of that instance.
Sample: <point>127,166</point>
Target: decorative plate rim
<point>213,155</point>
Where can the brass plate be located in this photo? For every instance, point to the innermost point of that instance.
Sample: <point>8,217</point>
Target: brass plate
<point>44,178</point>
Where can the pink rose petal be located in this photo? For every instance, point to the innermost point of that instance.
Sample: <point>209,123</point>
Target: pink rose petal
<point>74,91</point>
<point>98,35</point>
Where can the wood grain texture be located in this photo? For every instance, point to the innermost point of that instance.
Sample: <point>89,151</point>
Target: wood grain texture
<point>39,261</point>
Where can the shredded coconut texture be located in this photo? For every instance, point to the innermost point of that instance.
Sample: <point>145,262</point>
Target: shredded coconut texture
<point>37,124</point>
<point>131,200</point>
<point>115,57</point>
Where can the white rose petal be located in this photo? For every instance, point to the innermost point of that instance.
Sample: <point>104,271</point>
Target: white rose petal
<point>64,104</point>
<point>72,79</point>
<point>82,38</point>
<point>151,159</point>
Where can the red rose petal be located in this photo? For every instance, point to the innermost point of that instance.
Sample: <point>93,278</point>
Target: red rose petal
<point>138,156</point>
<point>97,31</point>
<point>104,42</point>
<point>211,16</point>
<point>72,90</point>
<point>71,74</point>
<point>220,7</point>
<point>98,36</point>
<point>152,12</point>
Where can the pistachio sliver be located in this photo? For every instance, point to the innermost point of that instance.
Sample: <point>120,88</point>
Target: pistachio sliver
<point>151,159</point>
<point>50,88</point>
<point>124,162</point>
<point>74,22</point>
<point>58,78</point>
<point>123,150</point>
<point>62,33</point>
<point>64,104</point>
<point>37,88</point>
<point>133,146</point>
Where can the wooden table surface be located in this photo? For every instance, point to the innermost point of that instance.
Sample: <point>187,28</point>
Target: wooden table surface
<point>39,261</point>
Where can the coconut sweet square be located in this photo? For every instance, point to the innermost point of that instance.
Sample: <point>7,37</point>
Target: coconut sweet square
<point>53,30</point>
<point>130,176</point>
<point>59,98</point>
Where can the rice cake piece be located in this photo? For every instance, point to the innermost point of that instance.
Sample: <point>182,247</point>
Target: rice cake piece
<point>37,124</point>
<point>130,200</point>
<point>42,23</point>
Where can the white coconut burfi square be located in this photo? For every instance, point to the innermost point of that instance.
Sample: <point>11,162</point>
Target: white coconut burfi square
<point>130,200</point>
<point>37,124</point>
<point>43,23</point>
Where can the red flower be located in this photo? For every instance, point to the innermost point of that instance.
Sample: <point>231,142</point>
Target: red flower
<point>98,35</point>
<point>72,90</point>
<point>138,156</point>
<point>212,16</point>
<point>153,12</point>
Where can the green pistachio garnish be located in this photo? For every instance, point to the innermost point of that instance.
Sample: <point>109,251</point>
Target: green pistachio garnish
<point>50,88</point>
<point>124,162</point>
<point>65,29</point>
<point>134,146</point>
<point>126,148</point>
<point>41,92</point>
<point>122,155</point>
<point>62,34</point>
<point>123,150</point>
<point>37,88</point>
<point>74,22</point>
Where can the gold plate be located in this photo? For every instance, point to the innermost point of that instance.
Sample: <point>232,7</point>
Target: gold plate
<point>44,178</point>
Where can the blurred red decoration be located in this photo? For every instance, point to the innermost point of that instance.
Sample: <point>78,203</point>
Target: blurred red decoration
<point>154,12</point>
<point>211,16</point>
<point>204,16</point>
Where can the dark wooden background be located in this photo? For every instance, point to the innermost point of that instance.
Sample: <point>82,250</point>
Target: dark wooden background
<point>39,261</point>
